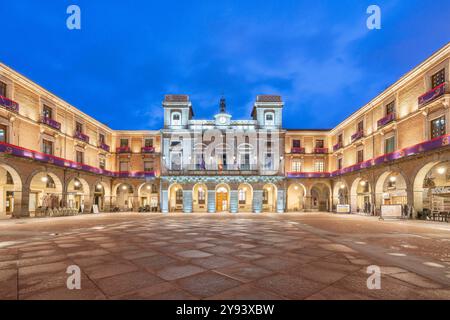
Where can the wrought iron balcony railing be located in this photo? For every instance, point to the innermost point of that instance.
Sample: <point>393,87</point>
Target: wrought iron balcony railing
<point>432,94</point>
<point>358,135</point>
<point>124,149</point>
<point>147,149</point>
<point>81,136</point>
<point>297,150</point>
<point>51,123</point>
<point>104,146</point>
<point>338,146</point>
<point>9,104</point>
<point>386,120</point>
<point>320,150</point>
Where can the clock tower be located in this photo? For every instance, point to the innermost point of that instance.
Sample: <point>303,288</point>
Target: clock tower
<point>222,118</point>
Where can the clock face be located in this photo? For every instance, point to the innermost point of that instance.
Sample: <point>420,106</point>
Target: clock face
<point>222,120</point>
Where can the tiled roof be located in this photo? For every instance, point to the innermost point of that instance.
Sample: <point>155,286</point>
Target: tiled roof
<point>268,98</point>
<point>176,98</point>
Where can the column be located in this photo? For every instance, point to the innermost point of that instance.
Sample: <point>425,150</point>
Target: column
<point>211,201</point>
<point>187,201</point>
<point>164,201</point>
<point>234,203</point>
<point>21,207</point>
<point>257,201</point>
<point>280,201</point>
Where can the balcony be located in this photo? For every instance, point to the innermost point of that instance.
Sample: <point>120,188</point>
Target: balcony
<point>386,120</point>
<point>432,94</point>
<point>148,150</point>
<point>320,150</point>
<point>124,149</point>
<point>81,136</point>
<point>358,135</point>
<point>338,146</point>
<point>9,104</point>
<point>104,146</point>
<point>297,150</point>
<point>51,123</point>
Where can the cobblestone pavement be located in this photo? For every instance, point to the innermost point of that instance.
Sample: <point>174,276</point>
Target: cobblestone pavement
<point>223,256</point>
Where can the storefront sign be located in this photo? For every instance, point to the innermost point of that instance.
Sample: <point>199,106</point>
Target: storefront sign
<point>343,208</point>
<point>440,190</point>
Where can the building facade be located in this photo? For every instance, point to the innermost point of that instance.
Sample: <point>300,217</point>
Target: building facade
<point>56,160</point>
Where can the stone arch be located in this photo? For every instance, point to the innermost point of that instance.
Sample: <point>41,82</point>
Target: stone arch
<point>320,196</point>
<point>270,194</point>
<point>360,195</point>
<point>245,197</point>
<point>296,196</point>
<point>124,194</point>
<point>101,195</point>
<point>200,197</point>
<point>394,184</point>
<point>175,192</point>
<point>77,194</point>
<point>148,195</point>
<point>341,193</point>
<point>223,194</point>
<point>11,193</point>
<point>422,187</point>
<point>46,191</point>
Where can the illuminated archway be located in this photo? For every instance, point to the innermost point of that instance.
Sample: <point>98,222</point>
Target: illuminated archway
<point>296,197</point>
<point>222,197</point>
<point>10,189</point>
<point>176,198</point>
<point>45,192</point>
<point>200,197</point>
<point>269,199</point>
<point>245,197</point>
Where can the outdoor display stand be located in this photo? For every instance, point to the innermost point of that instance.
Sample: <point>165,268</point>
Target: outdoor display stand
<point>393,211</point>
<point>343,208</point>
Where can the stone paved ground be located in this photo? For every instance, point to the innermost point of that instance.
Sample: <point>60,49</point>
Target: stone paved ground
<point>204,256</point>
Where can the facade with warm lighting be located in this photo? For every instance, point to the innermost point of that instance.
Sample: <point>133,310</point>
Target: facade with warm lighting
<point>56,160</point>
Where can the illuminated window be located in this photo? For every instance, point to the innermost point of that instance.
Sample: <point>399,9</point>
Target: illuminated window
<point>242,196</point>
<point>296,166</point>
<point>201,196</point>
<point>438,78</point>
<point>438,127</point>
<point>319,166</point>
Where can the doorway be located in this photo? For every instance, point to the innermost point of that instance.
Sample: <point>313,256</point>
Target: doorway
<point>221,199</point>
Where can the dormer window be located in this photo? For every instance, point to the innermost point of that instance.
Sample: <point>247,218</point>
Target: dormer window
<point>269,119</point>
<point>176,119</point>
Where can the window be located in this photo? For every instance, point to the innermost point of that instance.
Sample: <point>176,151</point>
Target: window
<point>319,166</point>
<point>320,144</point>
<point>101,138</point>
<point>80,156</point>
<point>339,163</point>
<point>123,166</point>
<point>296,143</point>
<point>47,112</point>
<point>2,89</point>
<point>360,126</point>
<point>148,142</point>
<point>389,145</point>
<point>175,161</point>
<point>179,196</point>
<point>245,161</point>
<point>340,139</point>
<point>201,196</point>
<point>78,127</point>
<point>9,179</point>
<point>438,127</point>
<point>438,78</point>
<point>47,146</point>
<point>148,166</point>
<point>242,196</point>
<point>3,133</point>
<point>268,164</point>
<point>296,166</point>
<point>102,163</point>
<point>270,119</point>
<point>176,119</point>
<point>390,108</point>
<point>360,156</point>
<point>123,142</point>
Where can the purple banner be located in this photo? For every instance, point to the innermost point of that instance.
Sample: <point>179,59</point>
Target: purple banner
<point>147,149</point>
<point>51,123</point>
<point>9,104</point>
<point>432,94</point>
<point>105,147</point>
<point>357,135</point>
<point>82,137</point>
<point>38,156</point>
<point>386,120</point>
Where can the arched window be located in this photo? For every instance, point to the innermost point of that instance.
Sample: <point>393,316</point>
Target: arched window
<point>179,196</point>
<point>201,196</point>
<point>176,119</point>
<point>269,119</point>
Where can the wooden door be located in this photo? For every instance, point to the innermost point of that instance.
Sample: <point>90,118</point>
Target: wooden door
<point>221,201</point>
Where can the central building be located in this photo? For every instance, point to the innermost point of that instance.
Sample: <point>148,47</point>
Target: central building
<point>222,165</point>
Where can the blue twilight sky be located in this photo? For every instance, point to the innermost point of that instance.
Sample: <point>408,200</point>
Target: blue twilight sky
<point>319,55</point>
